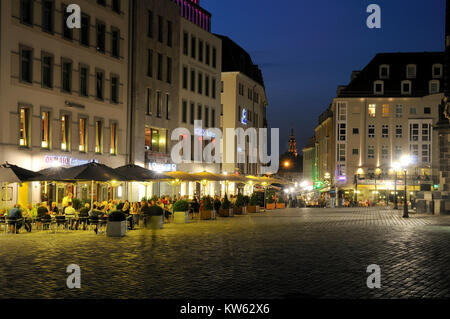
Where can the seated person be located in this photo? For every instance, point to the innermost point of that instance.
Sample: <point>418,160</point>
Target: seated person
<point>84,215</point>
<point>27,219</point>
<point>94,215</point>
<point>43,214</point>
<point>55,210</point>
<point>14,217</point>
<point>71,215</point>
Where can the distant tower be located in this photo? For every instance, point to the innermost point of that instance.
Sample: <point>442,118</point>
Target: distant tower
<point>293,144</point>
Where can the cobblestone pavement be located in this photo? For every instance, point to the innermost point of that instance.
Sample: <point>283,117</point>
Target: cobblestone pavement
<point>293,253</point>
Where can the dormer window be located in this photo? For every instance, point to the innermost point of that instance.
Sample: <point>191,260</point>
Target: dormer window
<point>384,71</point>
<point>411,71</point>
<point>434,86</point>
<point>437,71</point>
<point>378,88</point>
<point>406,87</point>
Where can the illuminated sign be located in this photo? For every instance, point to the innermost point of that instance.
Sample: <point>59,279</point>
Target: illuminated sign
<point>244,117</point>
<point>203,132</point>
<point>161,168</point>
<point>65,161</point>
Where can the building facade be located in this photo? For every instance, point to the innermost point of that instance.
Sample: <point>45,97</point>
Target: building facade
<point>63,92</point>
<point>388,110</point>
<point>325,143</point>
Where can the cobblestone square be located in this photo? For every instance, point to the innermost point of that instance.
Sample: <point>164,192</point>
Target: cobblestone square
<point>292,253</point>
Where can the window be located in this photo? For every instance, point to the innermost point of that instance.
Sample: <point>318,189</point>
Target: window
<point>200,83</point>
<point>150,24</point>
<point>26,65</point>
<point>341,153</point>
<point>200,50</point>
<point>184,112</point>
<point>48,9</point>
<point>160,29</point>
<point>384,71</point>
<point>426,132</point>
<point>66,76</point>
<point>98,137</point>
<point>411,71</point>
<point>398,131</point>
<point>160,67</point>
<point>426,151</point>
<point>241,89</point>
<point>115,42</point>
<point>406,87</point>
<point>199,113</point>
<point>116,6</point>
<point>83,147</point>
<point>158,104</point>
<point>342,131</point>
<point>378,87</point>
<point>371,131</point>
<point>26,12</point>
<point>185,43</point>
<point>192,80</point>
<point>185,78</point>
<point>169,70</point>
<point>65,133</point>
<point>213,118</point>
<point>437,71</point>
<point>115,89</point>
<point>45,127</point>
<point>414,132</point>
<point>412,111</point>
<point>427,110</point>
<point>371,152</point>
<point>206,117</point>
<point>207,85</point>
<point>100,80</point>
<point>193,47</point>
<point>213,89</point>
<point>214,58</point>
<point>169,34</point>
<point>399,111</point>
<point>398,152</point>
<point>113,149</point>
<point>192,115</point>
<point>372,110</point>
<point>414,152</point>
<point>67,32</point>
<point>207,54</point>
<point>47,71</point>
<point>149,102</point>
<point>24,127</point>
<point>385,152</point>
<point>167,107</point>
<point>101,36</point>
<point>355,131</point>
<point>434,86</point>
<point>385,110</point>
<point>150,63</point>
<point>355,151</point>
<point>84,77</point>
<point>85,30</point>
<point>385,131</point>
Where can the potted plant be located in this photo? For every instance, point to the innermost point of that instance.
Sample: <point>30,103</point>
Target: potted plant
<point>270,201</point>
<point>239,205</point>
<point>226,210</point>
<point>217,204</point>
<point>156,217</point>
<point>117,224</point>
<point>253,204</point>
<point>181,212</point>
<point>280,203</point>
<point>208,209</point>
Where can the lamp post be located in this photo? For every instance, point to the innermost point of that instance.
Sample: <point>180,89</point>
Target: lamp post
<point>405,161</point>
<point>396,167</point>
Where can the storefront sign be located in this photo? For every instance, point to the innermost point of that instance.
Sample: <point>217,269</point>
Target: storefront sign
<point>65,161</point>
<point>157,167</point>
<point>379,182</point>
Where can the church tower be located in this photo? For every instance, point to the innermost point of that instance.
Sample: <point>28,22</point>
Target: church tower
<point>293,145</point>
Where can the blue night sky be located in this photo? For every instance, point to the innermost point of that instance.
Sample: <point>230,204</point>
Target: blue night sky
<point>306,48</point>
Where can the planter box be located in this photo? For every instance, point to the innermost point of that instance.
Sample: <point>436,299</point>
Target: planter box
<point>237,210</point>
<point>270,206</point>
<point>156,222</point>
<point>258,209</point>
<point>281,206</point>
<point>181,217</point>
<point>251,209</point>
<point>207,214</point>
<point>244,210</point>
<point>226,212</point>
<point>116,229</point>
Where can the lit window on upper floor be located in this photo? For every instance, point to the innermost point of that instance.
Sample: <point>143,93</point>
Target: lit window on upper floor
<point>372,110</point>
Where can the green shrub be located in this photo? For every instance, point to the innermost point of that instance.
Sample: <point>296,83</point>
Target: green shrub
<point>270,196</point>
<point>239,201</point>
<point>226,203</point>
<point>77,204</point>
<point>280,200</point>
<point>117,216</point>
<point>155,211</point>
<point>207,203</point>
<point>217,204</point>
<point>254,200</point>
<point>181,206</point>
<point>246,200</point>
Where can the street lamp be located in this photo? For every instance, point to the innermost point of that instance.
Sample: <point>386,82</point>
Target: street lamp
<point>396,167</point>
<point>405,161</point>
